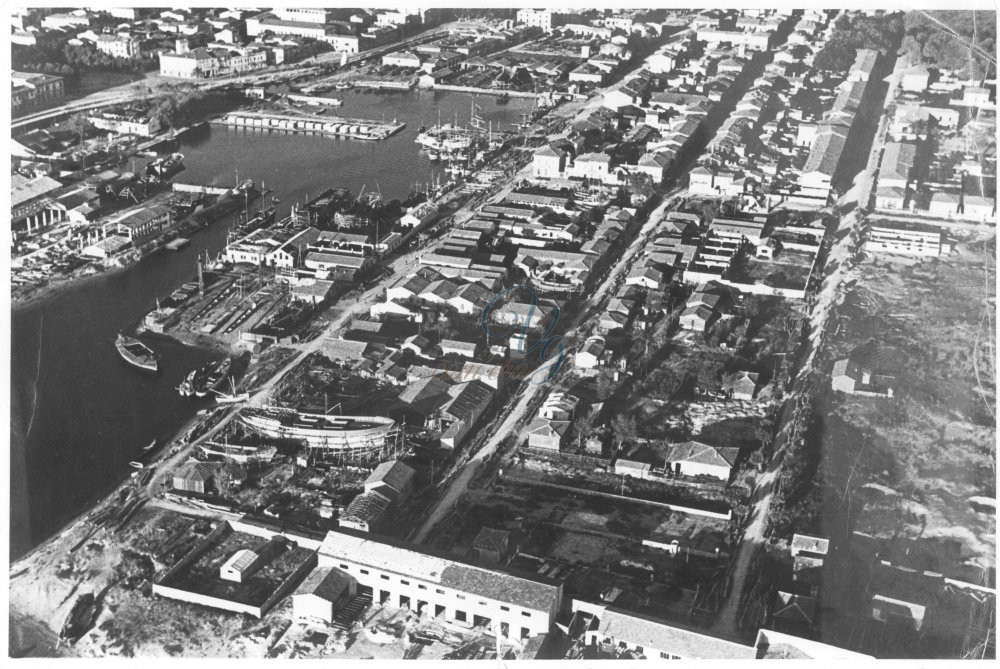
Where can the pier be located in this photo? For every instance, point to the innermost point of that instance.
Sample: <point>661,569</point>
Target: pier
<point>334,126</point>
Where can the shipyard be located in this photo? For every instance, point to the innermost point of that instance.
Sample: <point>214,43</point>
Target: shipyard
<point>495,334</point>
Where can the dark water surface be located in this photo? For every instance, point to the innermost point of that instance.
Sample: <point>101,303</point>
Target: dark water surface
<point>79,414</point>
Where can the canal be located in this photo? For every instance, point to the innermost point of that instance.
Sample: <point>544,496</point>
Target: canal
<point>79,414</point>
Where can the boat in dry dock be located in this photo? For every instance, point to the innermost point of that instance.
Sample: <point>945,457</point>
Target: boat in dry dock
<point>136,353</point>
<point>353,435</point>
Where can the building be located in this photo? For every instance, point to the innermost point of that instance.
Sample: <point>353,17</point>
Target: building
<point>194,477</point>
<point>589,355</point>
<point>754,41</point>
<point>915,80</point>
<point>595,166</point>
<point>904,238</point>
<point>322,593</point>
<point>978,208</point>
<point>944,204</point>
<point>869,370</point>
<point>140,224</point>
<point>771,645</point>
<point>897,163</point>
<point>890,198</point>
<point>693,458</point>
<point>119,46</point>
<point>384,489</point>
<point>548,163</point>
<point>547,434</point>
<point>491,546</point>
<point>241,565</point>
<point>627,635</point>
<point>30,201</point>
<point>30,90</point>
<point>464,594</point>
<point>127,123</point>
<point>745,385</point>
<point>546,19</point>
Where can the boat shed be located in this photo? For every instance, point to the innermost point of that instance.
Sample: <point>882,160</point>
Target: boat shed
<point>194,477</point>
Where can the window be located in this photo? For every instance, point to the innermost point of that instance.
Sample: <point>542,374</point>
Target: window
<point>460,616</point>
<point>421,587</point>
<point>404,582</point>
<point>385,577</point>
<point>525,614</point>
<point>364,571</point>
<point>439,591</point>
<point>344,566</point>
<point>482,603</point>
<point>505,608</point>
<point>460,596</point>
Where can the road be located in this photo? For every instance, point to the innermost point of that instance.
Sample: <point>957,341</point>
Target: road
<point>153,84</point>
<point>839,272</point>
<point>516,414</point>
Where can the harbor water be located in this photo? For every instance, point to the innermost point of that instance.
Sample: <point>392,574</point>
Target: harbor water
<point>79,413</point>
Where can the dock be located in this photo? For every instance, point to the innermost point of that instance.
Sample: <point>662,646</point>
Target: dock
<point>334,126</point>
<point>178,244</point>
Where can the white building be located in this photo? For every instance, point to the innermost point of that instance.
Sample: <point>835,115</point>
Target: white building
<point>323,591</point>
<point>463,594</point>
<point>119,46</point>
<point>904,238</point>
<point>618,631</point>
<point>548,163</point>
<point>546,19</point>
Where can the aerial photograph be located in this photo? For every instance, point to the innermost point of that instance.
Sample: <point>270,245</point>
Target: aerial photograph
<point>438,333</point>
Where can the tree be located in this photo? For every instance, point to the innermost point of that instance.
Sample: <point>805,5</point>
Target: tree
<point>135,568</point>
<point>584,426</point>
<point>625,428</point>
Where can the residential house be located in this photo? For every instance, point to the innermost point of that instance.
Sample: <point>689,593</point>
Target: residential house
<point>869,370</point>
<point>694,458</point>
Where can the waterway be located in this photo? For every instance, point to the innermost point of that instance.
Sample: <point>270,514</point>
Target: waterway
<point>79,414</point>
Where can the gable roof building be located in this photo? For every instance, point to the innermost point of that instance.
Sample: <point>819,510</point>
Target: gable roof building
<point>694,458</point>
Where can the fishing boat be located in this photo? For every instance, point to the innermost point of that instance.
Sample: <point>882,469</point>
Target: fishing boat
<point>167,166</point>
<point>186,389</point>
<point>433,155</point>
<point>231,397</point>
<point>214,377</point>
<point>148,447</point>
<point>80,618</point>
<point>136,353</point>
<point>261,219</point>
<point>136,464</point>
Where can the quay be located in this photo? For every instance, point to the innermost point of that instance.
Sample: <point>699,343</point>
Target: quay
<point>336,126</point>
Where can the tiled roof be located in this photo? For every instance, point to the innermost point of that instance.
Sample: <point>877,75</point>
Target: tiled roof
<point>699,453</point>
<point>649,633</point>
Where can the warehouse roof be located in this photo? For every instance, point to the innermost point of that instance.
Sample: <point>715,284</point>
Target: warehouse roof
<point>413,561</point>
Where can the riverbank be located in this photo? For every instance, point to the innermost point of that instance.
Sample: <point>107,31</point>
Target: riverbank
<point>27,294</point>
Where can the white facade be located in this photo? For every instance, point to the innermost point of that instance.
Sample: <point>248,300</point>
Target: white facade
<point>462,594</point>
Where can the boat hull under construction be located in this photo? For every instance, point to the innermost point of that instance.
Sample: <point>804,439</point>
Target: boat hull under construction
<point>354,435</point>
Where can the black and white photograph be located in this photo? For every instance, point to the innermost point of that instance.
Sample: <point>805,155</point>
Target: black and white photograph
<point>500,333</point>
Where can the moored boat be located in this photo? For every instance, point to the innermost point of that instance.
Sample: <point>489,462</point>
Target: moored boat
<point>136,353</point>
<point>214,377</point>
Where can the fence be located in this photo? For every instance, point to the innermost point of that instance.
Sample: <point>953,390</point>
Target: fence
<point>608,495</point>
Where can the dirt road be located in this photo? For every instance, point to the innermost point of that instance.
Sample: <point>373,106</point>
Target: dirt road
<point>839,272</point>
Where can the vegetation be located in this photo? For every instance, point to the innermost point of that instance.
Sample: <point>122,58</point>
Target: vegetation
<point>882,32</point>
<point>70,60</point>
<point>944,38</point>
<point>179,104</point>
